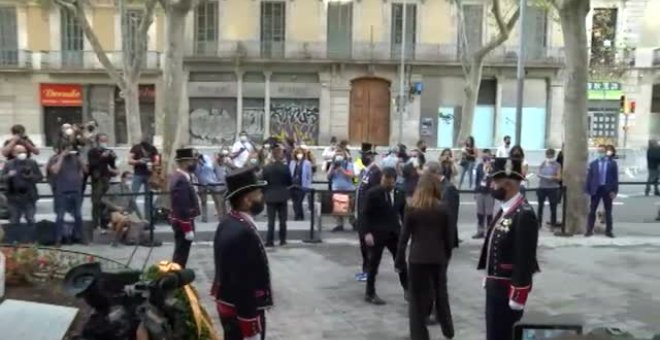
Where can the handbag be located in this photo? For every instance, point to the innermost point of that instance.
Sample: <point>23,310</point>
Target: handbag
<point>341,204</point>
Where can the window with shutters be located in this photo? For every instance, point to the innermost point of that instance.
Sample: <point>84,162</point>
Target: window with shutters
<point>133,18</point>
<point>273,29</point>
<point>340,29</point>
<point>8,36</point>
<point>206,28</point>
<point>473,15</point>
<point>72,40</point>
<point>536,39</point>
<point>397,30</point>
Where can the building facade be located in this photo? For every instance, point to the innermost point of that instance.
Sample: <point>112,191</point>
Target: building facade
<point>315,69</point>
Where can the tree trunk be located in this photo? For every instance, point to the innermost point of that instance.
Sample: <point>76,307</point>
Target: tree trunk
<point>132,105</point>
<point>573,22</point>
<point>472,86</point>
<point>173,77</point>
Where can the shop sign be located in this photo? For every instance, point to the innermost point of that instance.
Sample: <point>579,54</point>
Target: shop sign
<point>61,94</point>
<point>603,90</point>
<point>295,90</point>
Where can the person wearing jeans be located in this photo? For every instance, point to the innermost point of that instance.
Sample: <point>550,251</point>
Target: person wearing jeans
<point>21,175</point>
<point>550,177</point>
<point>68,171</point>
<point>468,160</point>
<point>301,173</point>
<point>653,166</point>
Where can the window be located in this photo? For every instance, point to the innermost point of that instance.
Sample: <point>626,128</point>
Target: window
<point>536,24</point>
<point>473,16</point>
<point>273,27</point>
<point>132,22</point>
<point>340,29</point>
<point>8,36</point>
<point>206,28</point>
<point>397,30</point>
<point>603,36</point>
<point>71,39</point>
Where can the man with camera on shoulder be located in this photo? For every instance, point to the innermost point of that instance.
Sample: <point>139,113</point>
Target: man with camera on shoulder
<point>21,175</point>
<point>18,138</point>
<point>102,167</point>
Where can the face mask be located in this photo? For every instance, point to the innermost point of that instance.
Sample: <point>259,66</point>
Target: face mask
<point>256,208</point>
<point>128,181</point>
<point>103,145</point>
<point>339,159</point>
<point>507,143</point>
<point>299,156</point>
<point>366,161</point>
<point>254,161</point>
<point>68,132</point>
<point>601,155</point>
<point>486,159</point>
<point>21,156</point>
<point>414,161</point>
<point>191,167</point>
<point>423,149</point>
<point>498,194</point>
<point>610,154</point>
<point>244,139</point>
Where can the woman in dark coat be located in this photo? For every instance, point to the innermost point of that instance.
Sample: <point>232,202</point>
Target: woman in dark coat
<point>428,223</point>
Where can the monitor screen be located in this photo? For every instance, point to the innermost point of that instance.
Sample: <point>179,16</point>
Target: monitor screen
<point>545,332</point>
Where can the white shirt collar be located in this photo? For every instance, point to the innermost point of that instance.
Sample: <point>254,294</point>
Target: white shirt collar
<point>506,206</point>
<point>185,174</point>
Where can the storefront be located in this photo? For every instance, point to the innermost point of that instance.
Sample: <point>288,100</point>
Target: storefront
<point>294,107</point>
<point>62,103</point>
<point>213,108</point>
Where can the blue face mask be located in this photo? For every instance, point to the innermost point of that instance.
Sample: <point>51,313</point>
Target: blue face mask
<point>601,154</point>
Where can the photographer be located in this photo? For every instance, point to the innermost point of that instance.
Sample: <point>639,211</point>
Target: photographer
<point>67,170</point>
<point>142,157</point>
<point>341,178</point>
<point>21,176</point>
<point>19,138</point>
<point>102,168</point>
<point>209,184</point>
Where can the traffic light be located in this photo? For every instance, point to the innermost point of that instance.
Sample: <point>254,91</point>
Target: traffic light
<point>632,106</point>
<point>626,106</point>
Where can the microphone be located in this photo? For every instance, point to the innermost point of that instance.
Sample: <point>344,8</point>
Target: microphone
<point>176,280</point>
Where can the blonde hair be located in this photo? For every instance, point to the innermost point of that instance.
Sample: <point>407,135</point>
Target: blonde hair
<point>427,194</point>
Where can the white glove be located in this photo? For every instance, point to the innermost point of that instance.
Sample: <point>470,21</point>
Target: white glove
<point>190,236</point>
<point>483,283</point>
<point>254,337</point>
<point>515,306</point>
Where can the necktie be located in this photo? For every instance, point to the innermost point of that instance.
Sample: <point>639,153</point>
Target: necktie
<point>389,198</point>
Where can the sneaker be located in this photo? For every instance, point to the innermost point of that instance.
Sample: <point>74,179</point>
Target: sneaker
<point>361,277</point>
<point>374,300</point>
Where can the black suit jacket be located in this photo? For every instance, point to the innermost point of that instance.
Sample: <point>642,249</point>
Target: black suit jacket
<point>278,176</point>
<point>431,233</point>
<point>381,218</point>
<point>452,198</point>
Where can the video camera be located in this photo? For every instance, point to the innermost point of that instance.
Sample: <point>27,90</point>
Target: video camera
<point>122,302</point>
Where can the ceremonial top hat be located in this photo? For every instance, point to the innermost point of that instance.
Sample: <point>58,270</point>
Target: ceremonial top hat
<point>507,168</point>
<point>185,154</point>
<point>241,181</point>
<point>80,278</point>
<point>368,149</point>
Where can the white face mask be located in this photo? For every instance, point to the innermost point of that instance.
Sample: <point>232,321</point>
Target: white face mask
<point>243,139</point>
<point>610,153</point>
<point>104,145</point>
<point>21,156</point>
<point>299,156</point>
<point>339,158</point>
<point>549,159</point>
<point>68,131</point>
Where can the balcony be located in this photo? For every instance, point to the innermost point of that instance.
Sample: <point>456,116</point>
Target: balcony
<point>87,60</point>
<point>361,52</point>
<point>15,59</point>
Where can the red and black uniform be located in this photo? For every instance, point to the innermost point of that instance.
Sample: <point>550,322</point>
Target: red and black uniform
<point>185,207</point>
<point>242,277</point>
<point>509,258</point>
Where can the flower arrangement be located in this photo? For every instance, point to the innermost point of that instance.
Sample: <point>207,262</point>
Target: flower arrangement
<point>20,265</point>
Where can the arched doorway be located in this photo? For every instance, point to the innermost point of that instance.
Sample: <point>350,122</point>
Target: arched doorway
<point>369,119</point>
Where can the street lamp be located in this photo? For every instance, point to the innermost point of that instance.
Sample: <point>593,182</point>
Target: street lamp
<point>521,72</point>
<point>402,72</point>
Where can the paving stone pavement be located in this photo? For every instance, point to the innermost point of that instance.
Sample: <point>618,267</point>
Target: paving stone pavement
<point>316,296</point>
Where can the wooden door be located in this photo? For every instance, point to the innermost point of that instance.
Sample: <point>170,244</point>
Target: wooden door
<point>369,119</point>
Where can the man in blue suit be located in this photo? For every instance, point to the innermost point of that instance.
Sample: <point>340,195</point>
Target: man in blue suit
<point>602,184</point>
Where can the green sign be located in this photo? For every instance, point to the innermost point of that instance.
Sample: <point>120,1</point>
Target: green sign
<point>603,90</point>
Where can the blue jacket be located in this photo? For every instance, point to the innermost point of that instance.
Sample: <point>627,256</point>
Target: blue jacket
<point>593,177</point>
<point>185,206</point>
<point>306,176</point>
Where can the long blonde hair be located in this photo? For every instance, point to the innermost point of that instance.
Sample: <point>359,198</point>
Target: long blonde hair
<point>427,194</point>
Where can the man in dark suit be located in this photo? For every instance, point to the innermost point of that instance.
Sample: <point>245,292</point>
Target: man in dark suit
<point>383,215</point>
<point>185,206</point>
<point>450,195</point>
<point>276,194</point>
<point>508,254</point>
<point>602,184</point>
<point>241,287</point>
<point>370,178</point>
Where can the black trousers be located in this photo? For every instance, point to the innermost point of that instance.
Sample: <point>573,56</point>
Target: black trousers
<point>389,241</point>
<point>500,318</point>
<point>604,195</point>
<point>552,194</point>
<point>181,246</point>
<point>297,198</point>
<point>99,188</point>
<point>428,287</point>
<point>279,209</point>
<point>232,330</point>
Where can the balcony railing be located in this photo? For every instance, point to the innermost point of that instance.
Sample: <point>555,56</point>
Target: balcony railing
<point>367,51</point>
<point>656,57</point>
<point>15,59</point>
<point>87,60</point>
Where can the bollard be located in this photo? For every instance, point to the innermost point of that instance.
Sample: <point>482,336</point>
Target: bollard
<point>312,219</point>
<point>149,212</point>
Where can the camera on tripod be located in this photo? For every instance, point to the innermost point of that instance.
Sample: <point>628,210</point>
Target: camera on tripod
<point>121,302</point>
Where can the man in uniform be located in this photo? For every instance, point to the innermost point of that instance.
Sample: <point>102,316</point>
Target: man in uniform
<point>509,252</point>
<point>185,206</point>
<point>369,178</point>
<point>242,278</point>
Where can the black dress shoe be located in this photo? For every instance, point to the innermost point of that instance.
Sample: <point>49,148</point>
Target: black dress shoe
<point>374,300</point>
<point>282,243</point>
<point>338,228</point>
<point>269,245</point>
<point>478,236</point>
<point>589,234</point>
<point>610,235</point>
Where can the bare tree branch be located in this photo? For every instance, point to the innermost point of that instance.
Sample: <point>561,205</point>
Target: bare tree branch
<point>462,43</point>
<point>142,38</point>
<point>502,36</point>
